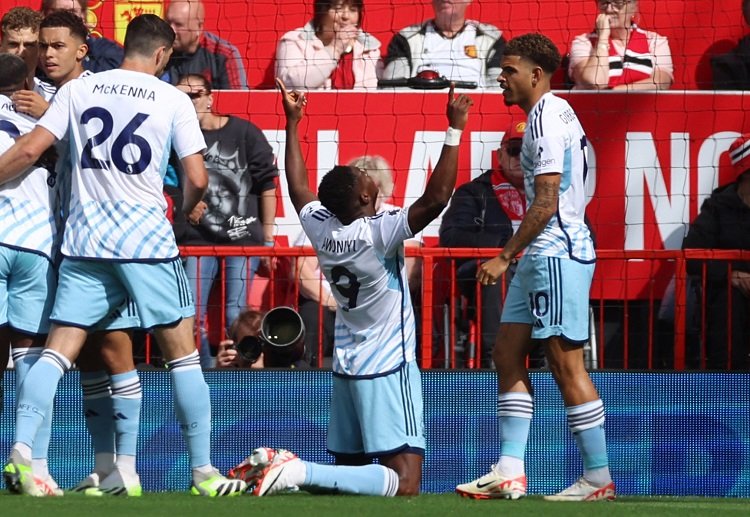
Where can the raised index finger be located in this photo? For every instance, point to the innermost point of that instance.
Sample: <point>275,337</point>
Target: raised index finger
<point>450,91</point>
<point>281,85</point>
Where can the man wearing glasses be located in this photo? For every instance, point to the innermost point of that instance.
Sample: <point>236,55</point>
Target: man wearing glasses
<point>484,213</point>
<point>618,54</point>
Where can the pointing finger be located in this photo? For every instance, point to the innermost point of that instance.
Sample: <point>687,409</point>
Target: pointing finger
<point>281,85</point>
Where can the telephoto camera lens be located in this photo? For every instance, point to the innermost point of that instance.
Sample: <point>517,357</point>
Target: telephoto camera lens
<point>249,348</point>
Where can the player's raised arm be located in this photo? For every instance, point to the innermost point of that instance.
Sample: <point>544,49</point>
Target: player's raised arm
<point>443,179</point>
<point>296,172</point>
<point>24,153</point>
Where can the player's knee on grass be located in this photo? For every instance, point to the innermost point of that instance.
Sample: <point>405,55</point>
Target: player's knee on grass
<point>408,466</point>
<point>408,482</point>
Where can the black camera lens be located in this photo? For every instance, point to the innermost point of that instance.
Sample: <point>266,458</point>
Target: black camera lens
<point>249,348</point>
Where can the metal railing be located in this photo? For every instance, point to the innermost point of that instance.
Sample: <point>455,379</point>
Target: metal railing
<point>628,331</point>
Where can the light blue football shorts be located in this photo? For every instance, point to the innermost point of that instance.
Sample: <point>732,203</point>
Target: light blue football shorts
<point>378,416</point>
<point>123,317</point>
<point>27,290</point>
<point>552,295</point>
<point>90,291</point>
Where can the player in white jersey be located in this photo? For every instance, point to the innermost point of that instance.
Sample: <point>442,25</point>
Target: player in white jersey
<point>27,230</point>
<point>108,377</point>
<point>118,242</point>
<point>376,406</point>
<point>549,294</point>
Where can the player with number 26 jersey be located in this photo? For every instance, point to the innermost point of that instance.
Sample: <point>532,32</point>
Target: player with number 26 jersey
<point>364,263</point>
<point>117,206</point>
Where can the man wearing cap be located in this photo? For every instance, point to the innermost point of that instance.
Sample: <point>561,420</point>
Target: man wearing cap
<point>484,213</point>
<point>724,223</point>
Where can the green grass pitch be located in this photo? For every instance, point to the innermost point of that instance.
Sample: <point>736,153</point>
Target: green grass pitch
<point>183,505</point>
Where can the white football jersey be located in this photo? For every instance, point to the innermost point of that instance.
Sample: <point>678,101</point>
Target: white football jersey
<point>364,263</point>
<point>121,126</point>
<point>449,56</point>
<point>46,90</point>
<point>26,220</point>
<point>554,142</point>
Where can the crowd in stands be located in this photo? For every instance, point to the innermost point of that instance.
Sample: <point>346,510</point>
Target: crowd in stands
<point>334,51</point>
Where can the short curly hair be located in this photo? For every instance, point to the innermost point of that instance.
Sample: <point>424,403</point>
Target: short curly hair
<point>20,18</point>
<point>537,48</point>
<point>336,189</point>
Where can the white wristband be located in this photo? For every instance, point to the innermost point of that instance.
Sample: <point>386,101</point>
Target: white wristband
<point>453,136</point>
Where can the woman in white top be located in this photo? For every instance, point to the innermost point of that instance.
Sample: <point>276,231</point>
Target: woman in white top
<point>331,51</point>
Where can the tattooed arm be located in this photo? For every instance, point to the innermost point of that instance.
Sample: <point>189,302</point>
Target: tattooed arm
<point>546,193</point>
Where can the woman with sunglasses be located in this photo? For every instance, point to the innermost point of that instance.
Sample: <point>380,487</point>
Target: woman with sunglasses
<point>618,54</point>
<point>240,205</point>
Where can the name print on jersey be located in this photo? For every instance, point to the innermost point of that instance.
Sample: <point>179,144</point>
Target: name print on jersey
<point>124,89</point>
<point>334,246</point>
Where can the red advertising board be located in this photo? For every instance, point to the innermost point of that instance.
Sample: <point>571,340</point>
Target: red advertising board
<point>654,157</point>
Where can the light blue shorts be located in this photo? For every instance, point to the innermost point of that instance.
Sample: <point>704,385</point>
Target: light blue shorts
<point>123,317</point>
<point>89,291</point>
<point>552,295</point>
<point>378,416</point>
<point>27,290</point>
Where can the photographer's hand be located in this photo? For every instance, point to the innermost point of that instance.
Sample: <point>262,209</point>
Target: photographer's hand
<point>227,356</point>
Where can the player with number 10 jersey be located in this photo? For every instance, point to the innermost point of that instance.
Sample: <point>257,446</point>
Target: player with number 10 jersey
<point>120,151</point>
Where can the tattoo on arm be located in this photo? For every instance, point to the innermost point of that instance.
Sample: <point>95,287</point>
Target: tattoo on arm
<point>537,216</point>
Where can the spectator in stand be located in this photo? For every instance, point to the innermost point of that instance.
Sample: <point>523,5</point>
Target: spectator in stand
<point>457,48</point>
<point>724,223</point>
<point>618,54</point>
<point>200,52</point>
<point>104,54</point>
<point>484,214</point>
<point>731,71</point>
<point>331,51</point>
<point>240,204</point>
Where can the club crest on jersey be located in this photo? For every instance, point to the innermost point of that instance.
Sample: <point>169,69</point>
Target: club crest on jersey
<point>470,51</point>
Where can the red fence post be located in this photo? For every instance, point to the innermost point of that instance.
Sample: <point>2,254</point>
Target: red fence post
<point>680,306</point>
